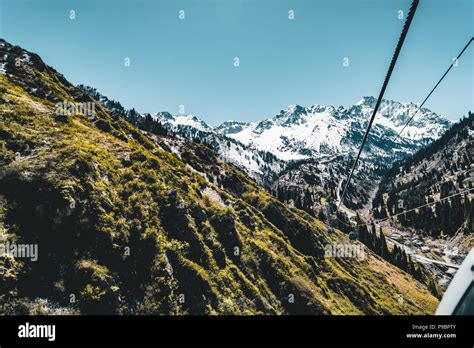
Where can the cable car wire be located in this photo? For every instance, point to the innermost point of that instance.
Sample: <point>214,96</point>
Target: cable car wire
<point>431,92</point>
<point>406,26</point>
<point>404,212</point>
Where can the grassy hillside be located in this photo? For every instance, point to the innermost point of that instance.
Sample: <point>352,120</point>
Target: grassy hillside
<point>132,223</point>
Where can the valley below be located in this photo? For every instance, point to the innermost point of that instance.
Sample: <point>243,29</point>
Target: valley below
<point>440,257</point>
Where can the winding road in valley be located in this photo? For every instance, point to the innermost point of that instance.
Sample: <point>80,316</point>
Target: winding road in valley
<point>423,259</point>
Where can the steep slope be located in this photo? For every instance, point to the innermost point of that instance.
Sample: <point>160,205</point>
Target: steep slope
<point>130,222</point>
<point>260,165</point>
<point>442,169</point>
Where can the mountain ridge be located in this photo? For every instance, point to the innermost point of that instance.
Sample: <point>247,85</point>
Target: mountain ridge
<point>391,116</point>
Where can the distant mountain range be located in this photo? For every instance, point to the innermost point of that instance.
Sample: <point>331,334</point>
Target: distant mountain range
<point>315,131</point>
<point>304,153</point>
<point>301,133</point>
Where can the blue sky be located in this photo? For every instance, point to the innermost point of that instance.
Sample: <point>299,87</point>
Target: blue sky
<point>190,62</point>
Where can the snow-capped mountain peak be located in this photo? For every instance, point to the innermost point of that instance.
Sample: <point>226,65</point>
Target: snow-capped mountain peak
<point>307,132</point>
<point>229,127</point>
<point>182,121</point>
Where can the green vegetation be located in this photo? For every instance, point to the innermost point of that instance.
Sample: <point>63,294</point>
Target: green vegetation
<point>126,226</point>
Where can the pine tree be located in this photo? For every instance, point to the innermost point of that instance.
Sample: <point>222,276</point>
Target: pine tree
<point>403,260</point>
<point>363,234</point>
<point>384,248</point>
